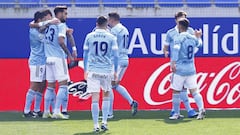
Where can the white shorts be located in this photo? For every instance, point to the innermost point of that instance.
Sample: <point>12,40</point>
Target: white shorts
<point>56,69</point>
<point>178,82</point>
<point>95,81</point>
<point>37,73</point>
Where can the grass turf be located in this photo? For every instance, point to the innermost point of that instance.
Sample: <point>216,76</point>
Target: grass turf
<point>224,122</point>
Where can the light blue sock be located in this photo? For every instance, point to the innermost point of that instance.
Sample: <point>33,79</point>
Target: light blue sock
<point>198,99</point>
<point>38,100</point>
<point>176,103</point>
<point>48,97</point>
<point>95,112</point>
<point>29,99</point>
<point>123,91</point>
<point>59,99</point>
<point>65,102</point>
<point>105,108</point>
<point>184,98</point>
<point>111,99</point>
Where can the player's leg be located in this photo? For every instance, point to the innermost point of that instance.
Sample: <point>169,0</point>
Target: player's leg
<point>94,89</point>
<point>111,99</point>
<point>30,95</point>
<point>106,87</point>
<point>185,99</point>
<point>50,95</point>
<point>39,94</point>
<point>65,101</point>
<point>191,83</point>
<point>62,95</point>
<point>177,85</point>
<point>124,92</point>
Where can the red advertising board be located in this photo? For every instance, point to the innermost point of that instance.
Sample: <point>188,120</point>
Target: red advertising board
<point>147,80</point>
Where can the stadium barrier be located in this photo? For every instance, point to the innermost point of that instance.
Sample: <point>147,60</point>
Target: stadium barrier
<point>148,75</point>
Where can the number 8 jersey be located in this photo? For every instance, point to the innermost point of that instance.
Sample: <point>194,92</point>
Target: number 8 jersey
<point>52,47</point>
<point>100,45</point>
<point>183,53</point>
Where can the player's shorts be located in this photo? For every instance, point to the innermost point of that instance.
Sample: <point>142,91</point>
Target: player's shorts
<point>56,69</point>
<point>178,82</point>
<point>95,81</point>
<point>121,71</point>
<point>37,73</point>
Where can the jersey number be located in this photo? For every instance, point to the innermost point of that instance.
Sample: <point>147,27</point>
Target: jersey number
<point>102,47</point>
<point>125,41</point>
<point>190,52</point>
<point>51,32</point>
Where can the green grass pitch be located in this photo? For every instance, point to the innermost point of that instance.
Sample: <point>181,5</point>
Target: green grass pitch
<point>221,122</point>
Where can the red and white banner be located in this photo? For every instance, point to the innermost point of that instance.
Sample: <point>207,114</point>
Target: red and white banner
<point>147,80</point>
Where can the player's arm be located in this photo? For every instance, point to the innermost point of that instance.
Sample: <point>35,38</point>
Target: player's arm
<point>72,42</point>
<point>175,54</point>
<point>85,57</point>
<point>166,45</point>
<point>115,58</point>
<point>61,41</point>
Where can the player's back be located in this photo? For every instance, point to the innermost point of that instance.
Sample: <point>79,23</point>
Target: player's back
<point>52,46</point>
<point>100,44</point>
<point>122,34</point>
<point>185,62</point>
<point>172,34</point>
<point>37,55</point>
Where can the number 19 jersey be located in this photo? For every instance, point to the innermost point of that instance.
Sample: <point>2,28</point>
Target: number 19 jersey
<point>183,53</point>
<point>52,46</point>
<point>100,44</point>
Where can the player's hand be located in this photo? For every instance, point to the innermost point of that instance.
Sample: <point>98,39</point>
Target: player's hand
<point>69,31</point>
<point>54,21</point>
<point>166,53</point>
<point>198,33</point>
<point>70,57</point>
<point>74,54</point>
<point>173,66</point>
<point>85,75</point>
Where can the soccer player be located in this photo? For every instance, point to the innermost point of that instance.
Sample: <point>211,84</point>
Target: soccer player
<point>56,63</point>
<point>122,35</point>
<point>171,35</point>
<point>183,68</point>
<point>37,69</point>
<point>100,53</point>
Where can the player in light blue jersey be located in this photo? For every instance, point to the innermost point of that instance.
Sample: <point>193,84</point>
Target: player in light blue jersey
<point>56,63</point>
<point>171,35</point>
<point>100,53</point>
<point>122,34</point>
<point>36,63</point>
<point>183,68</point>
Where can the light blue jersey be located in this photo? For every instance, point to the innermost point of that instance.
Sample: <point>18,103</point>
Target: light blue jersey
<point>122,35</point>
<point>183,53</point>
<point>172,34</point>
<point>99,48</point>
<point>37,55</point>
<point>52,46</point>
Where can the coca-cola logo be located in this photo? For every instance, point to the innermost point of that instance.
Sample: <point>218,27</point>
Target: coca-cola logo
<point>219,86</point>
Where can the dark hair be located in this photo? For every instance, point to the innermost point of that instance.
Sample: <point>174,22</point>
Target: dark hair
<point>179,14</point>
<point>102,21</point>
<point>38,15</point>
<point>46,12</point>
<point>114,16</point>
<point>59,9</point>
<point>184,22</point>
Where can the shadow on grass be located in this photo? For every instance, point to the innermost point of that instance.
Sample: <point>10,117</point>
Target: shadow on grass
<point>93,133</point>
<point>120,115</point>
